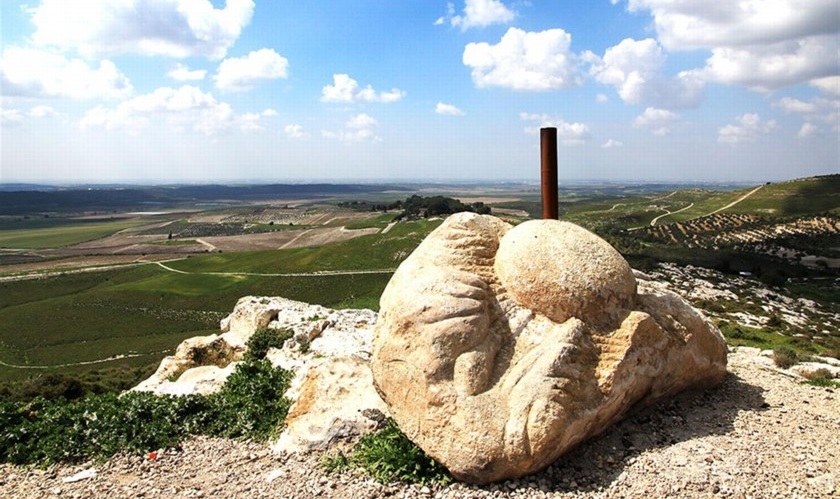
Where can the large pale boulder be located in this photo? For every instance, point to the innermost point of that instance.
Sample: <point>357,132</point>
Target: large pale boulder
<point>499,348</point>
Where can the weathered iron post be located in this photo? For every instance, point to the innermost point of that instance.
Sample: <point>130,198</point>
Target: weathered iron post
<point>548,150</point>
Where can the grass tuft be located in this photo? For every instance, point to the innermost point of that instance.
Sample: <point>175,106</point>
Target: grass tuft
<point>785,358</point>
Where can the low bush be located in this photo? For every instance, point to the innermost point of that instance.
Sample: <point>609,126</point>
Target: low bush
<point>785,358</point>
<point>72,386</point>
<point>833,353</point>
<point>818,374</point>
<point>388,455</point>
<point>263,339</point>
<point>249,405</point>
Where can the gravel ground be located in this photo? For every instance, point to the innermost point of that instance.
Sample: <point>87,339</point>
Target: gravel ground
<point>760,434</point>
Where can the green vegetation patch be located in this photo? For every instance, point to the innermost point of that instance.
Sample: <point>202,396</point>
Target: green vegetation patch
<point>64,235</point>
<point>55,385</point>
<point>740,335</point>
<point>809,196</point>
<point>371,252</point>
<point>62,322</point>
<point>379,222</point>
<point>250,405</point>
<point>263,339</point>
<point>387,456</point>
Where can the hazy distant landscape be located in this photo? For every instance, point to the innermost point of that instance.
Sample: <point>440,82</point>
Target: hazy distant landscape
<point>100,284</point>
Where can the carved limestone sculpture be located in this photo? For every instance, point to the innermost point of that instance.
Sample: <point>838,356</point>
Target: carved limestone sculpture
<point>498,348</point>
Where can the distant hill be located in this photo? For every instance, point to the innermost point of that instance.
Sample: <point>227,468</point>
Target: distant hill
<point>88,199</point>
<point>807,196</point>
<point>794,219</point>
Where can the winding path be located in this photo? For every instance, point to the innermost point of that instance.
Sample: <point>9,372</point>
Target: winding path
<point>293,240</point>
<point>665,197</point>
<point>733,203</point>
<point>667,213</point>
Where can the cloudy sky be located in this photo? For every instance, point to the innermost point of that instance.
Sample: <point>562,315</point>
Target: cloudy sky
<point>251,90</point>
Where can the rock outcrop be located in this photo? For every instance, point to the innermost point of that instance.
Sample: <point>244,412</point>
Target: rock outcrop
<point>500,348</point>
<point>334,401</point>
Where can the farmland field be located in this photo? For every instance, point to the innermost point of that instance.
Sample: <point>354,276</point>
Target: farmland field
<point>145,311</point>
<point>58,234</point>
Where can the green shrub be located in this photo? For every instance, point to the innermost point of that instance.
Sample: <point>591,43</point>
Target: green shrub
<point>785,357</point>
<point>387,455</point>
<point>71,386</point>
<point>48,431</point>
<point>250,405</point>
<point>263,339</point>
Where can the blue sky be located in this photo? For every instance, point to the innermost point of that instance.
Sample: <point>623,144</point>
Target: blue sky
<point>250,90</point>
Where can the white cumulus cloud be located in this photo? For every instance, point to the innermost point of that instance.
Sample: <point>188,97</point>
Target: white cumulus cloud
<point>609,144</point>
<point>478,14</point>
<point>183,109</point>
<point>11,117</point>
<point>769,67</point>
<point>697,24</point>
<point>183,73</point>
<point>242,73</point>
<point>359,128</point>
<point>448,109</point>
<point>658,120</point>
<point>829,85</point>
<point>761,44</point>
<point>748,128</point>
<point>361,121</point>
<point>634,68</point>
<point>346,89</point>
<point>31,72</point>
<point>42,111</point>
<point>791,105</point>
<point>567,133</point>
<point>817,110</point>
<point>295,131</point>
<point>807,130</point>
<point>524,60</point>
<point>174,28</point>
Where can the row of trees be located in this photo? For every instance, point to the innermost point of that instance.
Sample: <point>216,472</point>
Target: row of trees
<point>420,206</point>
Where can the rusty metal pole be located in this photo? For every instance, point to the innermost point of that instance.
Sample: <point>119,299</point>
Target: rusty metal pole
<point>548,150</point>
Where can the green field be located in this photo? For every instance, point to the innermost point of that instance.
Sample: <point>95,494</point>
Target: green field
<point>379,222</point>
<point>148,310</point>
<point>62,233</point>
<point>373,252</point>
